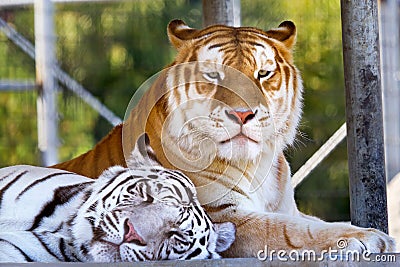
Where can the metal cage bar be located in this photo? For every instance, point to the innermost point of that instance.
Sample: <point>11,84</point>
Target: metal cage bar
<point>360,33</point>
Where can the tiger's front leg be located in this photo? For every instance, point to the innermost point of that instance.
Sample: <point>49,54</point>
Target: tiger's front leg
<point>256,231</point>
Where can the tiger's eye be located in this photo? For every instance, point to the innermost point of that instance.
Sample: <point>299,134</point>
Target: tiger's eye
<point>213,75</point>
<point>263,73</point>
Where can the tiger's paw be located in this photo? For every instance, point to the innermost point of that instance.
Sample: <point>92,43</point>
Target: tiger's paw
<point>370,240</point>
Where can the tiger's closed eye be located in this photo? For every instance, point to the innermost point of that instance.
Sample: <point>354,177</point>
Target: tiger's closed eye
<point>171,233</point>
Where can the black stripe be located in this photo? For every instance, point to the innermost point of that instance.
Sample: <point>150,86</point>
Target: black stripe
<point>203,241</point>
<point>57,229</point>
<point>215,46</point>
<point>4,189</point>
<point>253,44</point>
<point>195,253</point>
<point>108,216</point>
<point>138,256</point>
<point>114,188</point>
<point>45,246</point>
<point>174,174</point>
<point>61,247</point>
<point>185,216</point>
<point>178,192</point>
<point>189,193</point>
<point>27,258</point>
<point>149,194</point>
<point>112,179</point>
<point>191,245</point>
<point>87,194</point>
<point>84,250</point>
<point>172,199</point>
<point>182,240</point>
<point>61,196</point>
<point>199,213</point>
<point>117,219</point>
<point>138,181</point>
<point>40,181</point>
<point>144,255</point>
<point>160,250</point>
<point>8,175</point>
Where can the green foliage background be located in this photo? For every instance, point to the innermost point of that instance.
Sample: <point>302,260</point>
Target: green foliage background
<point>112,48</point>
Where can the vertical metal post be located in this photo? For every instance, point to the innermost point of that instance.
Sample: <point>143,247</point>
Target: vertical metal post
<point>45,62</point>
<point>390,43</point>
<point>226,12</point>
<point>365,145</point>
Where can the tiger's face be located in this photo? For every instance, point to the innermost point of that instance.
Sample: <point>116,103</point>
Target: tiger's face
<point>234,92</point>
<point>147,214</point>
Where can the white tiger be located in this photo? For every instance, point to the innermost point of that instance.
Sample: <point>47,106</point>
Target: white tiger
<point>145,213</point>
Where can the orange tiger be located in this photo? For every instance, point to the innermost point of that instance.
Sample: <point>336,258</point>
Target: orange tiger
<point>223,113</point>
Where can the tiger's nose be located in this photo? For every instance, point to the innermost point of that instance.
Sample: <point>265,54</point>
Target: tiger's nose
<point>241,116</point>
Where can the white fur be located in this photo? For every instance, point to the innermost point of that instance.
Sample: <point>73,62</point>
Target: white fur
<point>109,201</point>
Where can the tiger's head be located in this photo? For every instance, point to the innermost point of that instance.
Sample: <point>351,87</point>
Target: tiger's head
<point>232,92</point>
<point>146,212</point>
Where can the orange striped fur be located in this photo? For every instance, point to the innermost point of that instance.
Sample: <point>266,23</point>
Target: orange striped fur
<point>224,118</point>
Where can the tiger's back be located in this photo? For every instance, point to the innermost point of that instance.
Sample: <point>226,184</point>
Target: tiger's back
<point>34,220</point>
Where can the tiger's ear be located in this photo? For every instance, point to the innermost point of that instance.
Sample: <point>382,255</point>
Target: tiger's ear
<point>179,32</point>
<point>142,154</point>
<point>285,33</point>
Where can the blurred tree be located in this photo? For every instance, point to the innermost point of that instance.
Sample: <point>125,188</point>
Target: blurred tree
<point>18,131</point>
<point>18,135</point>
<point>113,48</point>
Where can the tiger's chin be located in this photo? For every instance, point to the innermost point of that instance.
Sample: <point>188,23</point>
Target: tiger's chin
<point>239,149</point>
